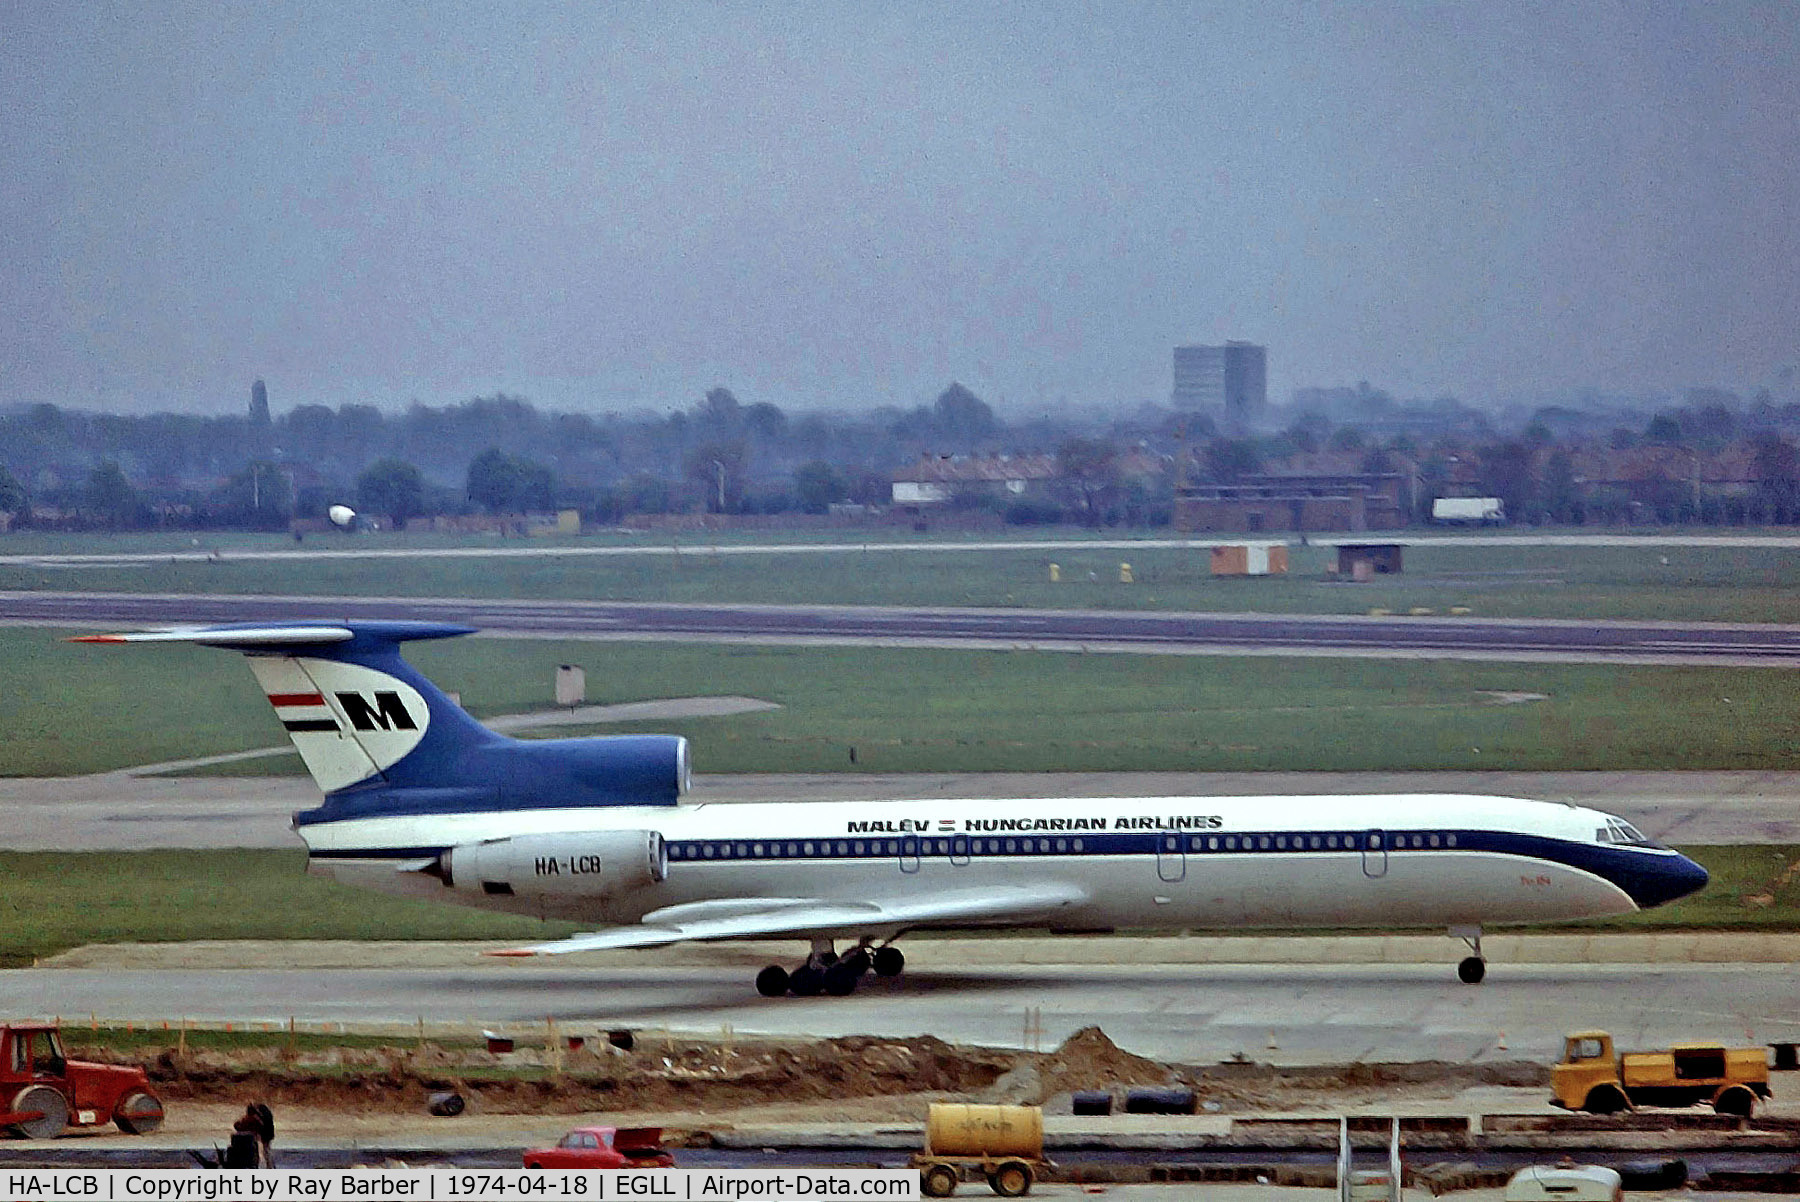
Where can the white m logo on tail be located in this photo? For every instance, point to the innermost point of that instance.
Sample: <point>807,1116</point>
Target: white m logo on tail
<point>348,722</point>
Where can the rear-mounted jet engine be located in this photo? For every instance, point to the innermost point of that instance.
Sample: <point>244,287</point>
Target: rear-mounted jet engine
<point>600,864</point>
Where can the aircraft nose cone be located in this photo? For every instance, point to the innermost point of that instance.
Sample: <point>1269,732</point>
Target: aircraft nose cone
<point>1665,879</point>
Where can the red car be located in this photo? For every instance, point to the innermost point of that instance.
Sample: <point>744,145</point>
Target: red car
<point>604,1148</point>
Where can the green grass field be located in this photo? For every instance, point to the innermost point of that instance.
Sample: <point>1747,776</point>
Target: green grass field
<point>86,1039</point>
<point>69,709</point>
<point>1738,584</point>
<point>60,900</point>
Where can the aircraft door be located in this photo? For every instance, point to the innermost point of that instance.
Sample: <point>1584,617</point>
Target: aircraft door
<point>1374,853</point>
<point>959,851</point>
<point>1171,861</point>
<point>909,855</point>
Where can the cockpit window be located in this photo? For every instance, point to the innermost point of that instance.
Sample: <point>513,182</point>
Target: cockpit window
<point>1617,830</point>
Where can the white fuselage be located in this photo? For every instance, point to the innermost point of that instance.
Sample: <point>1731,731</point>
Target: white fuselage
<point>1158,863</point>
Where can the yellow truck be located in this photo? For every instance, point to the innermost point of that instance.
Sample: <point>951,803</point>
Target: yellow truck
<point>1593,1078</point>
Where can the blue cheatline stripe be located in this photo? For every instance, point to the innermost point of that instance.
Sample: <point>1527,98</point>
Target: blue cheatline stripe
<point>877,847</point>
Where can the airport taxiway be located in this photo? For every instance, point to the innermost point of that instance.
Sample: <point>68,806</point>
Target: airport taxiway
<point>1144,993</point>
<point>970,628</point>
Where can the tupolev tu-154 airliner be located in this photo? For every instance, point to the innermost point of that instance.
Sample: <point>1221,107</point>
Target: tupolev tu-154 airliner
<point>422,800</point>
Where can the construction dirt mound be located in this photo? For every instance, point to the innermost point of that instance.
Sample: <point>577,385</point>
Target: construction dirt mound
<point>665,1073</point>
<point>1089,1060</point>
<point>656,1074</point>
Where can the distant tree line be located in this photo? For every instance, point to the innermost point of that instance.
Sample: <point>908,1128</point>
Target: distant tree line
<point>1714,459</point>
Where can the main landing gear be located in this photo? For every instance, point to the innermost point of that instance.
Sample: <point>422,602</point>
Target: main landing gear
<point>827,972</point>
<point>1473,967</point>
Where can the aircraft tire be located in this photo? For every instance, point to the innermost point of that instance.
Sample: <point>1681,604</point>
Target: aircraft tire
<point>806,981</point>
<point>1471,970</point>
<point>772,981</point>
<point>841,978</point>
<point>888,961</point>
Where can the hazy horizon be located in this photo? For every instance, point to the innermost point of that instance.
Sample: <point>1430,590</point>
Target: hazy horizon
<point>618,207</point>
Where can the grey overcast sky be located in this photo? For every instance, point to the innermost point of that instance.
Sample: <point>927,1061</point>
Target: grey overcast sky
<point>618,205</point>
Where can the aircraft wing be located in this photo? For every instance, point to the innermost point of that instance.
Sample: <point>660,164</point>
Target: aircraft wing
<point>750,917</point>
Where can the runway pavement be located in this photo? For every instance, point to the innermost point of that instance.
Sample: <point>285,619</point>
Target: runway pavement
<point>1467,637</point>
<point>675,544</point>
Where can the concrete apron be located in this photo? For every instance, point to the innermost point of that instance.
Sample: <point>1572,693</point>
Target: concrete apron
<point>1672,947</point>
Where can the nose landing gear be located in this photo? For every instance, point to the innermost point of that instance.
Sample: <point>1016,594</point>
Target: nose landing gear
<point>1473,967</point>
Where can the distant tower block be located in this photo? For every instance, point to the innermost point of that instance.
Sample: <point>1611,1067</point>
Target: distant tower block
<point>259,404</point>
<point>1230,381</point>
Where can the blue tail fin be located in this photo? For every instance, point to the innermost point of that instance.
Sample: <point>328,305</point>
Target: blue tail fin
<point>382,740</point>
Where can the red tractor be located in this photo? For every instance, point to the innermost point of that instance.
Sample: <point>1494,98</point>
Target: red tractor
<point>43,1092</point>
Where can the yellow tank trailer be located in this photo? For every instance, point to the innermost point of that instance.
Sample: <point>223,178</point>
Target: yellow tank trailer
<point>1593,1078</point>
<point>1005,1144</point>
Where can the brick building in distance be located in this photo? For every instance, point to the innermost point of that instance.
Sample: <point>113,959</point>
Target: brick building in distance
<point>1307,493</point>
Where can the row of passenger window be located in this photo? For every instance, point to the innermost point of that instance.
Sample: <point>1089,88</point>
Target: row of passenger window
<point>876,847</point>
<point>844,848</point>
<point>1365,840</point>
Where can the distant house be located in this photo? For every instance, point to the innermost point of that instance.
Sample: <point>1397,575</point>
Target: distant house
<point>1648,473</point>
<point>939,479</point>
<point>1142,465</point>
